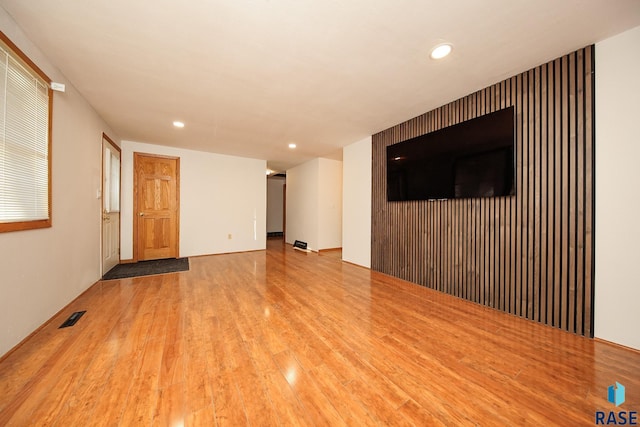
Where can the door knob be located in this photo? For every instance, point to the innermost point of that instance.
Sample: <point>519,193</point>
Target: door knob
<point>141,214</point>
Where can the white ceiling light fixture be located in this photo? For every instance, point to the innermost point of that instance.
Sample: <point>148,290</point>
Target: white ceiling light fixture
<point>269,171</point>
<point>441,50</point>
<point>178,124</point>
<point>292,145</point>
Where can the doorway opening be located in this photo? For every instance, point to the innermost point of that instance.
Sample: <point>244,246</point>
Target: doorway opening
<point>276,206</point>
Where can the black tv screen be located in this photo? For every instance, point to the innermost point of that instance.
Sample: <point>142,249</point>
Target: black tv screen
<point>474,158</point>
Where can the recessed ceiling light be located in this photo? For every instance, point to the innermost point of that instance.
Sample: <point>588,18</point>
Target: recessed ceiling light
<point>178,124</point>
<point>441,51</point>
<point>292,145</point>
<point>269,171</point>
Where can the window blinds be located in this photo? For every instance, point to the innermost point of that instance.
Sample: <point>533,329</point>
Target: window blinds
<point>24,143</point>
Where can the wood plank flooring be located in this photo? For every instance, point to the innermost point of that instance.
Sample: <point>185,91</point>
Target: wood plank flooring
<point>280,337</point>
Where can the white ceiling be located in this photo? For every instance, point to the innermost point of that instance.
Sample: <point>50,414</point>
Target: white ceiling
<point>250,76</point>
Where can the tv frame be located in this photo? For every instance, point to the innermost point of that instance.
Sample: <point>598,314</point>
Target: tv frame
<point>424,167</point>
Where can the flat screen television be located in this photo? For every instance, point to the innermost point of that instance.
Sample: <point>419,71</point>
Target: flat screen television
<point>474,158</point>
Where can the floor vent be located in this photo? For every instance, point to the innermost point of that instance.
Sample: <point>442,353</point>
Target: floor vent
<point>300,246</point>
<point>72,319</point>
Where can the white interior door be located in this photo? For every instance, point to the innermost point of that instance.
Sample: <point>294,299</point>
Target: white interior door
<point>110,205</point>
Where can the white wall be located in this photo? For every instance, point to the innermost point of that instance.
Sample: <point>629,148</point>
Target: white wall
<point>617,283</point>
<point>329,204</point>
<point>302,203</point>
<point>314,204</point>
<point>41,271</point>
<point>219,195</point>
<point>356,208</point>
<point>275,204</point>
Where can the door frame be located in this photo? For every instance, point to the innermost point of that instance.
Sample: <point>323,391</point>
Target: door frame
<point>109,141</point>
<point>136,155</point>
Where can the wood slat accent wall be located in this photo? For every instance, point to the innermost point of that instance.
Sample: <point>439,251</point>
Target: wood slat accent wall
<point>531,254</point>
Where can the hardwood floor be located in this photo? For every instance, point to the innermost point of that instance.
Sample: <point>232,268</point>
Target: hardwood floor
<point>280,337</point>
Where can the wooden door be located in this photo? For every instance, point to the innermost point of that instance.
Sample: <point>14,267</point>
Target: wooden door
<point>110,204</point>
<point>156,206</point>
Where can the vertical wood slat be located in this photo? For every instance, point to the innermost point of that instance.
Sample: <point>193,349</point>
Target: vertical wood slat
<point>572,179</point>
<point>520,177</point>
<point>544,196</point>
<point>530,209</point>
<point>564,226</point>
<point>580,232</point>
<point>550,193</point>
<point>557,191</point>
<point>589,187</point>
<point>530,254</point>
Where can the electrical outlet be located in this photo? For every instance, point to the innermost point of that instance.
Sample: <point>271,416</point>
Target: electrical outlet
<point>229,236</point>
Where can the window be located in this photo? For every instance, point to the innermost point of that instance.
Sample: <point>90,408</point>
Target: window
<point>25,142</point>
<point>111,186</point>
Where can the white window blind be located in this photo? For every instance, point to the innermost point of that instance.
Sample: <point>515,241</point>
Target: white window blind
<point>24,142</point>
